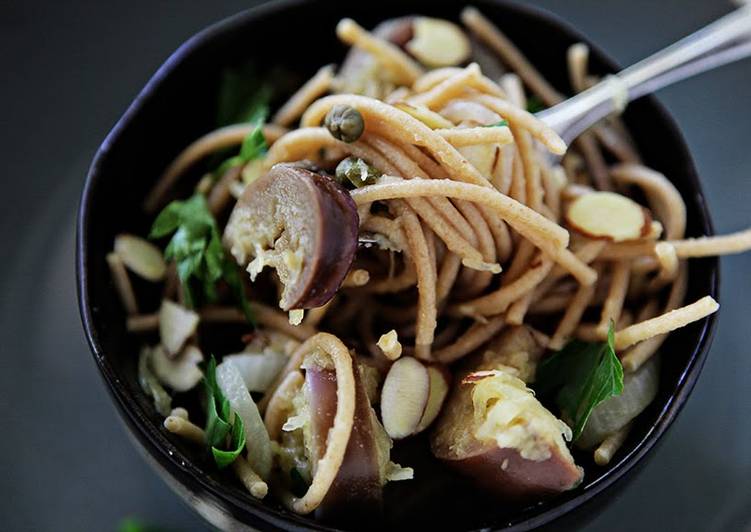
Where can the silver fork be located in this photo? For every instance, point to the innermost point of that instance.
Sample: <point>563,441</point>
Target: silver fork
<point>726,40</point>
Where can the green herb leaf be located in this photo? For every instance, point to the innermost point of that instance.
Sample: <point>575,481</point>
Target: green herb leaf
<point>216,427</point>
<point>498,124</point>
<point>584,375</point>
<point>236,445</point>
<point>196,248</point>
<point>243,97</point>
<point>535,105</point>
<point>253,146</point>
<point>221,422</point>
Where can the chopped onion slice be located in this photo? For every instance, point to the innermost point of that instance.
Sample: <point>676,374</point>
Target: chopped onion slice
<point>258,370</point>
<point>257,438</point>
<point>639,389</point>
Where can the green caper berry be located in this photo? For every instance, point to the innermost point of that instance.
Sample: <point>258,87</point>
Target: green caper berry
<point>344,123</point>
<point>357,172</point>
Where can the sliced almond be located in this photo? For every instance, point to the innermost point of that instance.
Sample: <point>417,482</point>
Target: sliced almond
<point>477,376</point>
<point>484,157</point>
<point>181,373</point>
<point>468,111</point>
<point>608,216</point>
<point>141,257</point>
<point>439,389</point>
<point>176,325</point>
<point>404,397</point>
<point>430,118</point>
<point>389,344</point>
<point>296,316</point>
<point>438,43</point>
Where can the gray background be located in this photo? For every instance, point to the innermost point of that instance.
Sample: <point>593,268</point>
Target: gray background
<point>70,69</point>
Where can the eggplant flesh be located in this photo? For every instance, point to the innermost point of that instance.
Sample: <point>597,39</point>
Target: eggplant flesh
<point>301,223</point>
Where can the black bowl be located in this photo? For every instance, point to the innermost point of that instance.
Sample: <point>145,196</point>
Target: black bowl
<point>177,106</point>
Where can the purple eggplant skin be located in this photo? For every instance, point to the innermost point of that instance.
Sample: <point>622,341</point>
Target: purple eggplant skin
<point>308,208</point>
<point>339,227</point>
<point>356,490</point>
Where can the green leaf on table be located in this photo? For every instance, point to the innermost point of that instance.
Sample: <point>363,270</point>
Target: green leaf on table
<point>581,375</point>
<point>131,524</point>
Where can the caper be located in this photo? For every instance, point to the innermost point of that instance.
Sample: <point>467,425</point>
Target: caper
<point>344,123</point>
<point>357,172</point>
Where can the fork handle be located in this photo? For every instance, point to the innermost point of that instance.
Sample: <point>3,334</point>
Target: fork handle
<point>723,41</point>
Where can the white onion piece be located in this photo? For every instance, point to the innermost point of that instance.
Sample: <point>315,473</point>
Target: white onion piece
<point>257,438</point>
<point>639,389</point>
<point>258,370</point>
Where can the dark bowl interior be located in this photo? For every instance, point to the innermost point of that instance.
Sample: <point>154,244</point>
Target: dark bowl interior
<point>178,105</point>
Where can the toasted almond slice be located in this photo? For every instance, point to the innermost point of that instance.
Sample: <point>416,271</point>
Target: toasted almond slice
<point>389,344</point>
<point>296,316</point>
<point>439,389</point>
<point>430,118</point>
<point>479,375</point>
<point>404,397</point>
<point>140,256</point>
<point>484,157</point>
<point>608,216</point>
<point>438,43</point>
<point>181,373</point>
<point>176,325</point>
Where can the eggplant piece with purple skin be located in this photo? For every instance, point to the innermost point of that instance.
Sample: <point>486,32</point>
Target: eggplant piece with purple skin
<point>301,223</point>
<point>494,431</point>
<point>357,488</point>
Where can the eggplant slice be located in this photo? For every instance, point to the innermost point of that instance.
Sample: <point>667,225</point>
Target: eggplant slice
<point>357,488</point>
<point>497,433</point>
<point>301,223</point>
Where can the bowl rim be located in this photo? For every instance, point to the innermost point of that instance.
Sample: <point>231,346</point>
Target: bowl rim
<point>163,451</point>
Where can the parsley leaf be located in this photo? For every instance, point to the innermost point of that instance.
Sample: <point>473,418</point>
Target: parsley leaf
<point>196,248</point>
<point>253,146</point>
<point>242,97</point>
<point>584,375</point>
<point>225,433</point>
<point>535,105</point>
<point>498,124</point>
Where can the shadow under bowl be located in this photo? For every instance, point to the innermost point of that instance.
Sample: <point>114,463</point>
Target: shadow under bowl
<point>177,106</point>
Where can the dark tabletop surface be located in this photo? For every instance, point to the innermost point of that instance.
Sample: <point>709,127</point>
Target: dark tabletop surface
<point>69,69</point>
